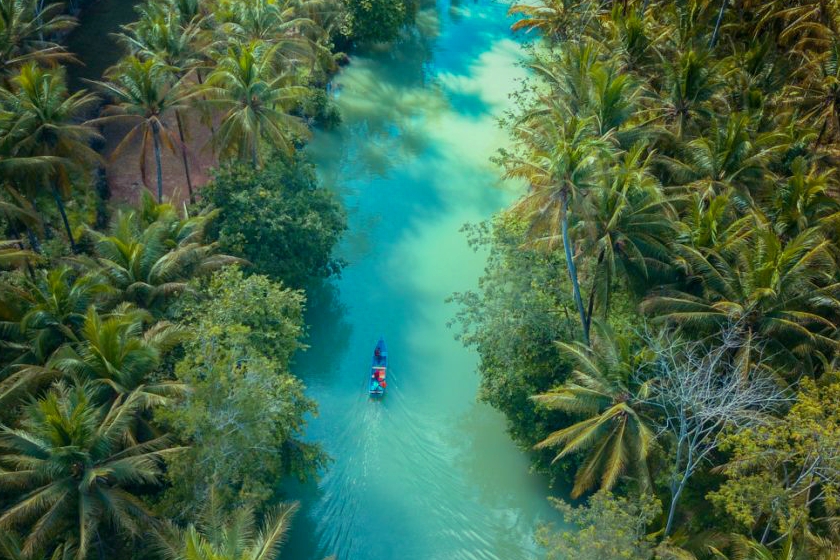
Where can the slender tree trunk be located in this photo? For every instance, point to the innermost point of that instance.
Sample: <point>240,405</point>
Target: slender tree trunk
<point>591,306</point>
<point>822,132</point>
<point>673,510</point>
<point>184,155</point>
<point>570,264</point>
<point>155,134</point>
<point>60,204</point>
<point>712,43</point>
<point>209,115</point>
<point>99,550</point>
<point>33,240</point>
<point>254,159</point>
<point>677,486</point>
<point>767,527</point>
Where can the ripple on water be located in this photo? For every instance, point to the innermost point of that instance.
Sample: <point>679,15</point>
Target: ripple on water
<point>425,473</point>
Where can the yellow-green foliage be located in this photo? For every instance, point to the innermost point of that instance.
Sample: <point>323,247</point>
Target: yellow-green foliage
<point>787,472</point>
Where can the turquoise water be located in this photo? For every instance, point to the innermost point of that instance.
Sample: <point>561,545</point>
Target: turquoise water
<point>426,473</point>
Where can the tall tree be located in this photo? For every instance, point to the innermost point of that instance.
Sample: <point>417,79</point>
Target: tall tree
<point>115,353</point>
<point>148,256</point>
<point>142,93</point>
<point>784,292</point>
<point>256,101</point>
<point>45,124</point>
<point>560,159</point>
<point>161,33</point>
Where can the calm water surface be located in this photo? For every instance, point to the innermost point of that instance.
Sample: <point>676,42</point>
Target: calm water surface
<point>427,473</point>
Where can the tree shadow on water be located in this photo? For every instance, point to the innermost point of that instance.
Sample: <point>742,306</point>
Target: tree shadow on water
<point>327,337</point>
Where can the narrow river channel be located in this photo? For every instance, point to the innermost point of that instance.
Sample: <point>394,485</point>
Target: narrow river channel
<point>427,473</point>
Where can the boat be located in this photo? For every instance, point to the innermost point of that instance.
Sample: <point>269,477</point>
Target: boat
<point>378,369</point>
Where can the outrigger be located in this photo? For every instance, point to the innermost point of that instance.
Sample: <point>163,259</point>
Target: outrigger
<point>378,369</point>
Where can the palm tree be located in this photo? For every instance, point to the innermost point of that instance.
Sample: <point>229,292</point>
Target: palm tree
<point>151,255</point>
<point>161,35</point>
<point>691,85</point>
<point>804,200</point>
<point>553,18</point>
<point>730,156</point>
<point>116,352</point>
<point>26,27</point>
<point>817,94</point>
<point>233,536</point>
<point>628,224</point>
<point>283,21</point>
<point>806,24</point>
<point>561,159</point>
<point>615,433</point>
<point>709,224</point>
<point>67,467</point>
<point>37,318</point>
<point>142,92</point>
<point>45,125</point>
<point>633,40</point>
<point>50,309</point>
<point>783,291</point>
<point>256,100</point>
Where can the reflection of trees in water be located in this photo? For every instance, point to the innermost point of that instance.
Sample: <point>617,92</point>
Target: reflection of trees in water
<point>382,96</point>
<point>455,10</point>
<point>328,335</point>
<point>392,115</point>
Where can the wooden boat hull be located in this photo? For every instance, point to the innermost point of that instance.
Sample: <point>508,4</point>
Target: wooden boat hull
<point>378,370</point>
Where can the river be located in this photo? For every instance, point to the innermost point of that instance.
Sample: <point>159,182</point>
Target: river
<point>427,473</point>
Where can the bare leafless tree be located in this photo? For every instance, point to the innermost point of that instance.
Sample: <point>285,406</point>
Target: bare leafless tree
<point>703,387</point>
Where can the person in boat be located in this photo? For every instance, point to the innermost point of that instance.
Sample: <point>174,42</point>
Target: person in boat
<point>378,352</point>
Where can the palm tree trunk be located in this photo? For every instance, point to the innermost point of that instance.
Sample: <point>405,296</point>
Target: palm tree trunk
<point>254,159</point>
<point>210,115</point>
<point>60,204</point>
<point>822,132</point>
<point>713,41</point>
<point>591,306</point>
<point>570,264</point>
<point>155,133</point>
<point>33,240</point>
<point>184,155</point>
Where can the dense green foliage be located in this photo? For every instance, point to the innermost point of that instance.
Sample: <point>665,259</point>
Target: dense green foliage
<point>606,528</point>
<point>142,373</point>
<point>661,309</point>
<point>244,412</point>
<point>376,20</point>
<point>277,219</point>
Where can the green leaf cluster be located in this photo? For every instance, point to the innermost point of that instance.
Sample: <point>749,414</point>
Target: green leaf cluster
<point>277,218</point>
